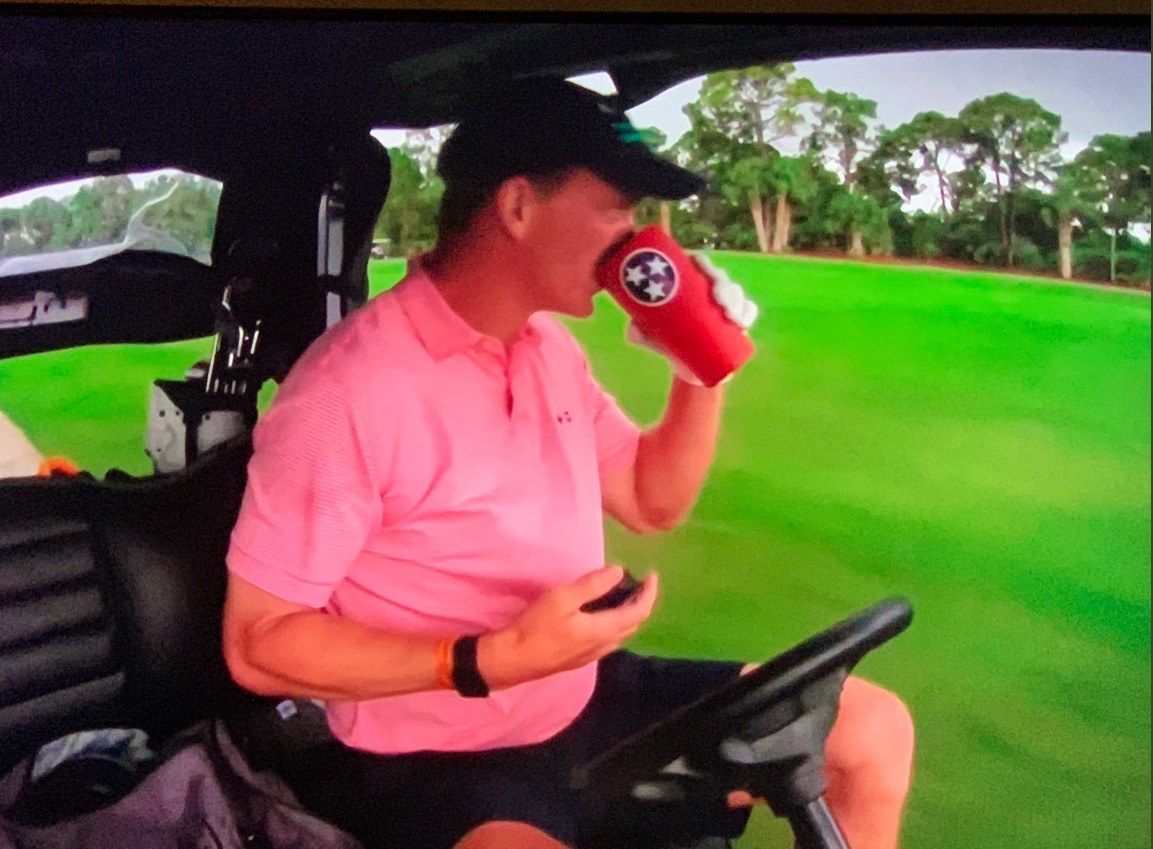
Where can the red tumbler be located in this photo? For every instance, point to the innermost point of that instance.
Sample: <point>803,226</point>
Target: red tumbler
<point>671,302</point>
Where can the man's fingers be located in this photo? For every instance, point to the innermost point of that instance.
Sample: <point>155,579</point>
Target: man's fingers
<point>644,600</point>
<point>706,265</point>
<point>634,336</point>
<point>728,293</point>
<point>632,613</point>
<point>748,314</point>
<point>720,278</point>
<point>594,584</point>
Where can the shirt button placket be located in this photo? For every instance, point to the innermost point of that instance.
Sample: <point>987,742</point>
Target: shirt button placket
<point>520,385</point>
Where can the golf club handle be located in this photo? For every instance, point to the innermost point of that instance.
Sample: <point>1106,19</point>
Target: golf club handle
<point>814,826</point>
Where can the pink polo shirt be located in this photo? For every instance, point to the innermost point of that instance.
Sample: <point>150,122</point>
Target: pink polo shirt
<point>415,477</point>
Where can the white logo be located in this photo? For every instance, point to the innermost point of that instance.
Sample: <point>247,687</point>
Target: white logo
<point>649,277</point>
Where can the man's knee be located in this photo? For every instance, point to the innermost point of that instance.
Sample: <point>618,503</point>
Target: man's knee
<point>507,835</point>
<point>873,737</point>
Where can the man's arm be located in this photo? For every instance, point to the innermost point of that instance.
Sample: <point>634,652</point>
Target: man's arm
<point>277,648</point>
<point>659,490</point>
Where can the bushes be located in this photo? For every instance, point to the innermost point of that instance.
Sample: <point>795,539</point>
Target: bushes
<point>926,236</point>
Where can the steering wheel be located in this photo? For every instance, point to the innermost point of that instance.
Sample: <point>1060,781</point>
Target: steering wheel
<point>764,733</point>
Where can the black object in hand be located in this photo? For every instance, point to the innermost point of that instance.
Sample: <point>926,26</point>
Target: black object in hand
<point>618,595</point>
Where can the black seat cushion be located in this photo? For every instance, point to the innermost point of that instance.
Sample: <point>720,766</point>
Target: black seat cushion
<point>59,669</point>
<point>110,600</point>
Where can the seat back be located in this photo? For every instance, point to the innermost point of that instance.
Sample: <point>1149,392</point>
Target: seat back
<point>110,600</point>
<point>59,669</point>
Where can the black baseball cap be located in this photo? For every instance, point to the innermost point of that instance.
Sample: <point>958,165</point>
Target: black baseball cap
<point>544,126</point>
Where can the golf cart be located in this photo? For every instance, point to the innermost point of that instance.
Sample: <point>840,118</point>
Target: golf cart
<point>111,588</point>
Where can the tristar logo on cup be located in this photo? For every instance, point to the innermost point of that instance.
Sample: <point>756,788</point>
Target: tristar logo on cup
<point>670,300</point>
<point>649,277</point>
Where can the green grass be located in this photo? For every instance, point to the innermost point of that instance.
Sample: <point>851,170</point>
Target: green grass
<point>979,443</point>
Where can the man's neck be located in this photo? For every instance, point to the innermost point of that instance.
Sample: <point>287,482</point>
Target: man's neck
<point>482,287</point>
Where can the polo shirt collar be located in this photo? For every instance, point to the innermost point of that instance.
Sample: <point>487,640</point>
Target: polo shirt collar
<point>440,329</point>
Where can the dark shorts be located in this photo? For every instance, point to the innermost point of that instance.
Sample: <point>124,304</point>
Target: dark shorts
<point>432,799</point>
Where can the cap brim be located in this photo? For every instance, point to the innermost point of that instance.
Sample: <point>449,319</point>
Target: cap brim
<point>648,175</point>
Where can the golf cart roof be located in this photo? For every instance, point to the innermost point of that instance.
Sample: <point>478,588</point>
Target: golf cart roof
<point>275,107</point>
<point>211,93</point>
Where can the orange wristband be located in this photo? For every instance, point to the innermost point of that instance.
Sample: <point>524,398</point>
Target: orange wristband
<point>50,466</point>
<point>444,663</point>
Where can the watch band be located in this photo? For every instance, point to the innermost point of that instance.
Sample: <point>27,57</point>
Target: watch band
<point>466,677</point>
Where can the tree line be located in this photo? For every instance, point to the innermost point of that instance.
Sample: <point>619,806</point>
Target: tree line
<point>175,213</point>
<point>795,168</point>
<point>790,168</point>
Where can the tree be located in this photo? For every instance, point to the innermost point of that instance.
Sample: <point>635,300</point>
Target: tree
<point>11,238</point>
<point>650,209</point>
<point>182,209</point>
<point>1017,140</point>
<point>845,132</point>
<point>408,218</point>
<point>926,235</point>
<point>791,180</point>
<point>875,183</point>
<point>816,226</point>
<point>1070,201</point>
<point>862,218</point>
<point>750,178</point>
<point>47,223</point>
<point>922,147</point>
<point>1116,178</point>
<point>86,217</point>
<point>735,124</point>
<point>423,146</point>
<point>400,216</point>
<point>117,199</point>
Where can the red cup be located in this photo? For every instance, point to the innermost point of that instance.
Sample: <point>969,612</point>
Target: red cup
<point>671,302</point>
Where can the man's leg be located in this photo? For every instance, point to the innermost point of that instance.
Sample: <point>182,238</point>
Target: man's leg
<point>432,800</point>
<point>507,835</point>
<point>869,762</point>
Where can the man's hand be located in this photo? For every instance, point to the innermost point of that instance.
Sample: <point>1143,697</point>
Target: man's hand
<point>730,297</point>
<point>554,634</point>
<point>727,293</point>
<point>680,370</point>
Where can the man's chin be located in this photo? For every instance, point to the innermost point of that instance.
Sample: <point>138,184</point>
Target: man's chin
<point>580,309</point>
<point>586,309</point>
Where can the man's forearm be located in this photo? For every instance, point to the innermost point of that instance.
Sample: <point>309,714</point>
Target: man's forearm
<point>674,457</point>
<point>316,655</point>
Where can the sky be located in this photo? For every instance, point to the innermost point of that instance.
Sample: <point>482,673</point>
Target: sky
<point>1093,91</point>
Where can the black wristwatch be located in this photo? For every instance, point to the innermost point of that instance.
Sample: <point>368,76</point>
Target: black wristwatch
<point>466,677</point>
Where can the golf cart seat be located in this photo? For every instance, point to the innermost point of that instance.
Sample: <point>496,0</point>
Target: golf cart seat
<point>110,600</point>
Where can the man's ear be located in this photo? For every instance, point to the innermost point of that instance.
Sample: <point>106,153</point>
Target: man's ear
<point>516,201</point>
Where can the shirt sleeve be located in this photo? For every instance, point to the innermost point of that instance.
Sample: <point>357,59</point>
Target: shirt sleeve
<point>312,496</point>
<point>617,436</point>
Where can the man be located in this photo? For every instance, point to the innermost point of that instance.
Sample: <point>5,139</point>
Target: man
<point>423,519</point>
